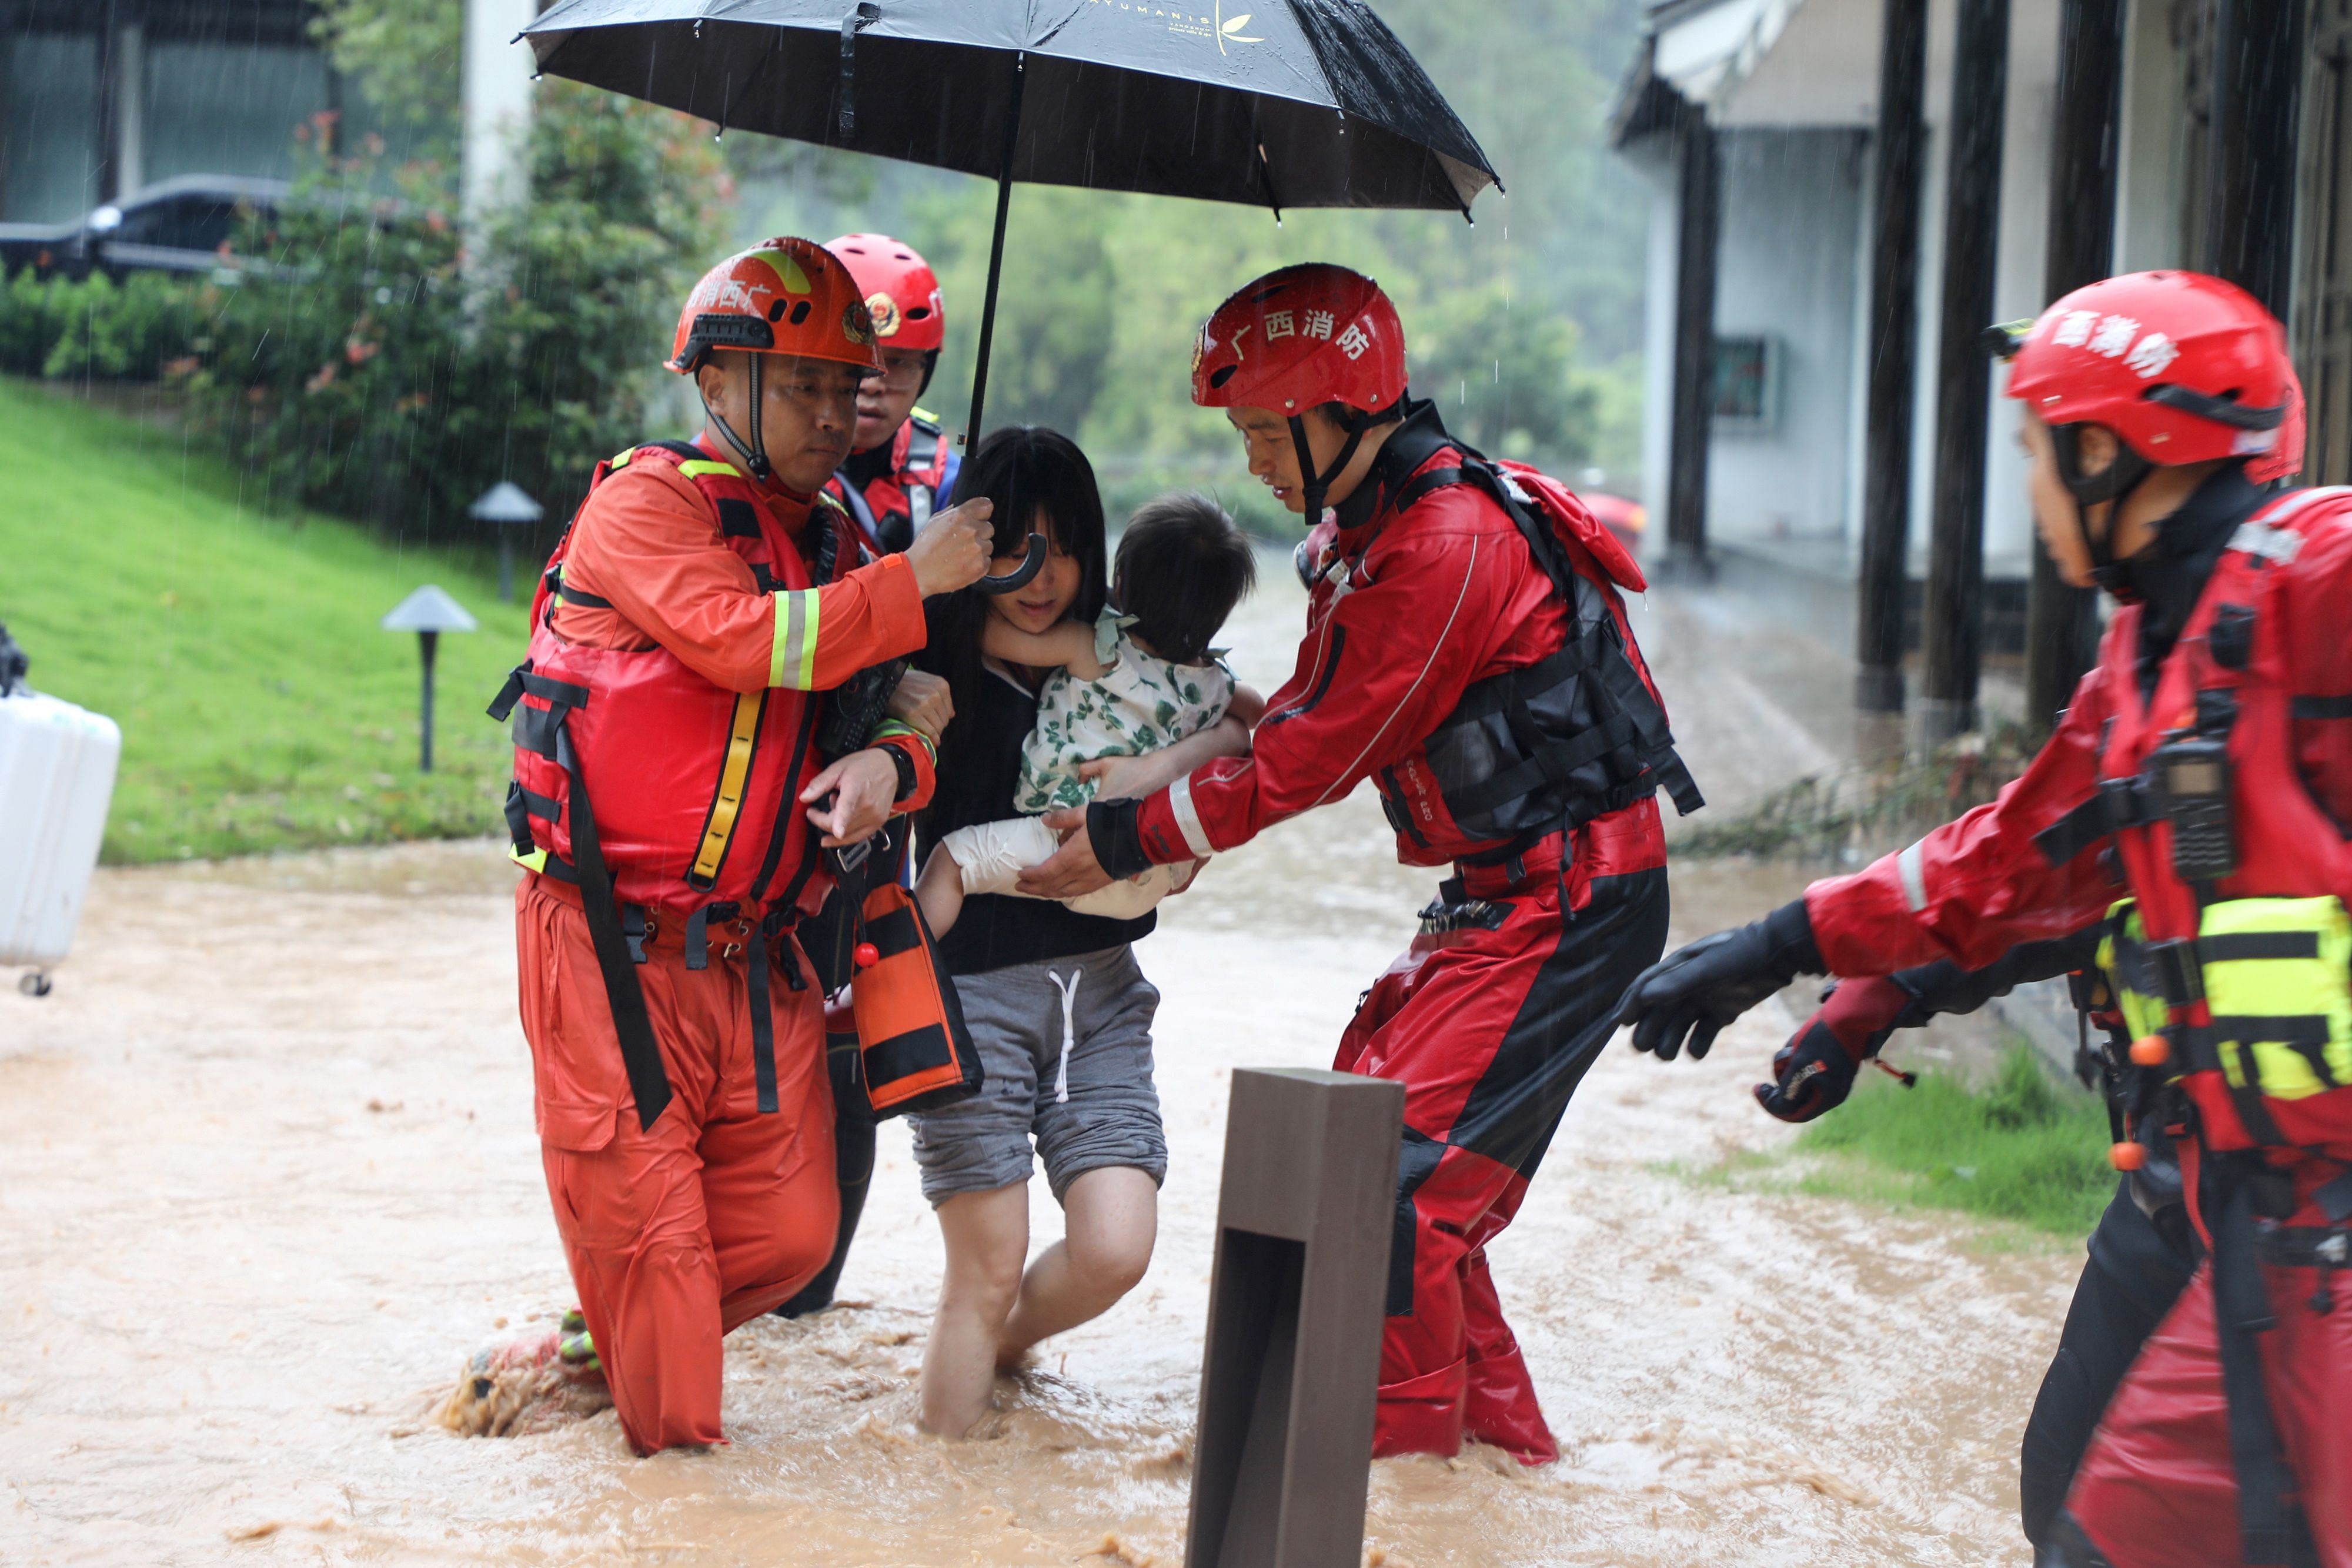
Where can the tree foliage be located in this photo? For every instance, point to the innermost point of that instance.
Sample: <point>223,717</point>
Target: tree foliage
<point>378,361</point>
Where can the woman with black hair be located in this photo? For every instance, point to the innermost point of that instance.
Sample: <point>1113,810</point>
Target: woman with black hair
<point>1058,1009</point>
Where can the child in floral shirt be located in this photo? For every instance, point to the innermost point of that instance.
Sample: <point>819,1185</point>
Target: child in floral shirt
<point>1138,680</point>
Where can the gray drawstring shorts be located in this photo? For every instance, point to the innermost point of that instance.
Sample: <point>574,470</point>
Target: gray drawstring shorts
<point>1066,1048</point>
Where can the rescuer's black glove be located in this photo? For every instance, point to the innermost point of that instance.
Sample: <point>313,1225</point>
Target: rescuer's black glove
<point>1691,994</point>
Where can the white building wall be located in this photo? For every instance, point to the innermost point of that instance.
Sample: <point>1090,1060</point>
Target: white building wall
<point>2021,278</point>
<point>1658,341</point>
<point>1791,222</point>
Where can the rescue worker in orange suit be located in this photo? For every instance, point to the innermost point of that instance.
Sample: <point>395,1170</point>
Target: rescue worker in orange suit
<point>1465,650</point>
<point>899,470</point>
<point>2195,799</point>
<point>670,807</point>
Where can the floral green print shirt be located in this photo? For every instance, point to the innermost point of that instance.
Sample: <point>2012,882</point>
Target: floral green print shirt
<point>1141,704</point>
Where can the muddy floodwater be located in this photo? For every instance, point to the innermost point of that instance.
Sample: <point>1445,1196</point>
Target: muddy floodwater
<point>267,1179</point>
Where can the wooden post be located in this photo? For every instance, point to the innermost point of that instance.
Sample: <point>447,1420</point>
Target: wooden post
<point>1951,631</point>
<point>2061,624</point>
<point>1694,394</point>
<point>2258,66</point>
<point>1291,1365</point>
<point>1894,333</point>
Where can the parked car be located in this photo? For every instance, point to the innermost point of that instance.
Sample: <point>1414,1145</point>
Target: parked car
<point>175,225</point>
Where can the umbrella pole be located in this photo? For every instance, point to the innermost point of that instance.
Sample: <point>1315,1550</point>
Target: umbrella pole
<point>995,255</point>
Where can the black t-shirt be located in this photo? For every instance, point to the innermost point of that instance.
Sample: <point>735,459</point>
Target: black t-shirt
<point>996,931</point>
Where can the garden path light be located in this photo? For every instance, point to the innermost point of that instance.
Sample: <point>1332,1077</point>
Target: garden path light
<point>506,507</point>
<point>428,612</point>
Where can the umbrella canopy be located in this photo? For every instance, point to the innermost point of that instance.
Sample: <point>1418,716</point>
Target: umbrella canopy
<point>1273,103</point>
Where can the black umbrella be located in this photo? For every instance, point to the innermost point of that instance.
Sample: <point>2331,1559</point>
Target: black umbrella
<point>1273,104</point>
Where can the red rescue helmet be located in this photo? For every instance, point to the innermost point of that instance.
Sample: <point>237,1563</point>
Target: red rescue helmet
<point>2182,367</point>
<point>901,292</point>
<point>1304,335</point>
<point>780,297</point>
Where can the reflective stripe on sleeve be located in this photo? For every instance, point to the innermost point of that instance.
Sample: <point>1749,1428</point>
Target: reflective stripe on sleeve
<point>697,467</point>
<point>1188,817</point>
<point>1914,873</point>
<point>791,662</point>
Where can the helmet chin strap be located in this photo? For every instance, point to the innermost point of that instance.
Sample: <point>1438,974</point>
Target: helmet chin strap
<point>1313,485</point>
<point>754,455</point>
<point>2115,484</point>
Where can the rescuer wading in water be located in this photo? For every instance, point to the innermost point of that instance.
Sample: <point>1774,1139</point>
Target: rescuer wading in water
<point>1466,650</point>
<point>2193,806</point>
<point>669,805</point>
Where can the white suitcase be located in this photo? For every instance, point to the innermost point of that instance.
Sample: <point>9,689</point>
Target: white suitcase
<point>57,776</point>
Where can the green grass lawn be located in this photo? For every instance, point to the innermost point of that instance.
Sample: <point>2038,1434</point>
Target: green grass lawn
<point>2020,1147</point>
<point>260,706</point>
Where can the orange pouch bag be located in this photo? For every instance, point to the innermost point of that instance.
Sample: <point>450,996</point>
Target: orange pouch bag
<point>918,1054</point>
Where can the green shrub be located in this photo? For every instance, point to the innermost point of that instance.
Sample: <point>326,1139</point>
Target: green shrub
<point>382,367</point>
<point>94,327</point>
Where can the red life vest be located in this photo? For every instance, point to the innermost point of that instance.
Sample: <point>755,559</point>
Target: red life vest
<point>2262,1051</point>
<point>694,788</point>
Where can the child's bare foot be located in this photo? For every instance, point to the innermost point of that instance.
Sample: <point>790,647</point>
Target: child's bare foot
<point>938,892</point>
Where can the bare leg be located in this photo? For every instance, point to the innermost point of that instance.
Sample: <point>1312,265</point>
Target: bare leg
<point>1112,1219</point>
<point>987,1236</point>
<point>939,891</point>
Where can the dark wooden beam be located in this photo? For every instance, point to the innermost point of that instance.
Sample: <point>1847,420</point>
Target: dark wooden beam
<point>2061,624</point>
<point>1952,632</point>
<point>1893,336</point>
<point>2258,69</point>
<point>1701,203</point>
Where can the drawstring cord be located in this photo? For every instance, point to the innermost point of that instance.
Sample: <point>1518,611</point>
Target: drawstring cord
<point>1070,1031</point>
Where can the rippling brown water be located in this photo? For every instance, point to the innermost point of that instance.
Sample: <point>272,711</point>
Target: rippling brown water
<point>268,1179</point>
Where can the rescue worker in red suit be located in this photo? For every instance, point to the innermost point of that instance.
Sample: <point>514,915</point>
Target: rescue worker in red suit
<point>2196,799</point>
<point>669,807</point>
<point>1465,650</point>
<point>901,469</point>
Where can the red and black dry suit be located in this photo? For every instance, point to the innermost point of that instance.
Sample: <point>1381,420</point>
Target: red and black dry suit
<point>1497,699</point>
<point>2227,1442</point>
<point>665,726</point>
<point>893,489</point>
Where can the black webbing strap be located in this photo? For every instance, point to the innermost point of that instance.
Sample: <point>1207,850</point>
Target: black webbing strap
<point>579,596</point>
<point>2306,1034</point>
<point>1617,677</point>
<point>635,926</point>
<point>2204,1050</point>
<point>2233,946</point>
<point>697,931</point>
<point>640,1052</point>
<point>2310,706</point>
<point>763,1028</point>
<point>2271,1531</point>
<point>2120,804</point>
<point>1498,692</point>
<point>1552,765</point>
